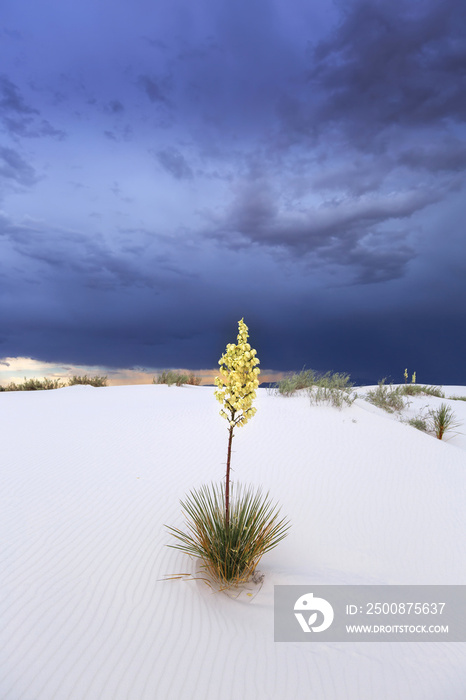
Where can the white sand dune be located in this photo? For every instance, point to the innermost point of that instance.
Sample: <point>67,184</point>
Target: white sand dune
<point>90,476</point>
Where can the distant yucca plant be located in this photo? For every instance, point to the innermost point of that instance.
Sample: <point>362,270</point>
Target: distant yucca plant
<point>229,551</point>
<point>442,420</point>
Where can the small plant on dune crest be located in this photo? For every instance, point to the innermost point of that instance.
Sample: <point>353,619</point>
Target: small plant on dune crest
<point>334,389</point>
<point>84,379</point>
<point>35,385</point>
<point>171,377</point>
<point>386,397</point>
<point>230,531</point>
<point>295,382</point>
<point>419,389</point>
<point>442,420</point>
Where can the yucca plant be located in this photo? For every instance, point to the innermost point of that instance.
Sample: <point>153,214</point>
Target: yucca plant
<point>236,391</point>
<point>229,551</point>
<point>442,420</point>
<point>229,532</point>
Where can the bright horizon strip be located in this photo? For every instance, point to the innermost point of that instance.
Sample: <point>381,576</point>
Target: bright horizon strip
<point>16,369</point>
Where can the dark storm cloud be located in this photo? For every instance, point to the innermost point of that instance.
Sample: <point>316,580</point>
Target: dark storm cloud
<point>14,167</point>
<point>156,89</point>
<point>250,158</point>
<point>30,128</point>
<point>392,64</point>
<point>365,143</point>
<point>114,107</point>
<point>175,163</point>
<point>90,262</point>
<point>11,99</point>
<point>347,233</point>
<point>19,118</point>
<point>449,156</point>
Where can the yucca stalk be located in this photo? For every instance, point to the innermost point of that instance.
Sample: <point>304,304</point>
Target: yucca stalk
<point>237,386</point>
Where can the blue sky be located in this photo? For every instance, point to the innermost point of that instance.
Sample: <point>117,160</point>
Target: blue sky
<point>168,168</point>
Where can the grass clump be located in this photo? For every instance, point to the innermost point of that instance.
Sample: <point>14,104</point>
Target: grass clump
<point>442,420</point>
<point>84,379</point>
<point>419,389</point>
<point>294,382</point>
<point>387,397</point>
<point>171,377</point>
<point>333,388</point>
<point>457,398</point>
<point>229,550</point>
<point>35,385</point>
<point>419,422</point>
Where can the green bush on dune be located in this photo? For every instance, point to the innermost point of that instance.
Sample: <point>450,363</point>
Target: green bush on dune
<point>333,388</point>
<point>84,379</point>
<point>421,390</point>
<point>389,398</point>
<point>35,385</point>
<point>171,377</point>
<point>44,384</point>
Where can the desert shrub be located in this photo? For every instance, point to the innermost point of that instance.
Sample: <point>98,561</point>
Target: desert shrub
<point>84,379</point>
<point>419,389</point>
<point>457,398</point>
<point>171,377</point>
<point>294,382</point>
<point>442,420</point>
<point>35,385</point>
<point>229,550</point>
<point>193,380</point>
<point>387,397</point>
<point>332,388</point>
<point>419,422</point>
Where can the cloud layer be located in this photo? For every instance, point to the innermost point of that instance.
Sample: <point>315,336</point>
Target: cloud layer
<point>163,174</point>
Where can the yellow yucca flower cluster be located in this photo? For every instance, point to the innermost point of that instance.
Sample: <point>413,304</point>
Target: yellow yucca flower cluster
<point>238,380</point>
